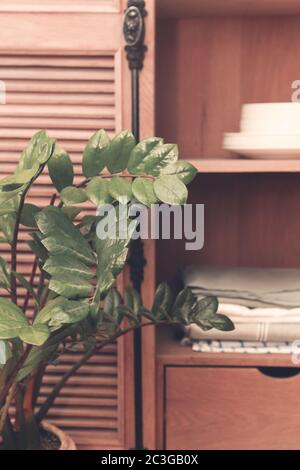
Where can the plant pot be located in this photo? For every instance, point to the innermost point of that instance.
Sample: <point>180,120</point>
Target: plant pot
<point>66,443</point>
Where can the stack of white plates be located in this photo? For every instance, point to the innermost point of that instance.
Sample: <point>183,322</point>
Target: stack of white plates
<point>268,130</point>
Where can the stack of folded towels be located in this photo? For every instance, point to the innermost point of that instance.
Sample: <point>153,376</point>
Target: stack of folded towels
<point>264,305</point>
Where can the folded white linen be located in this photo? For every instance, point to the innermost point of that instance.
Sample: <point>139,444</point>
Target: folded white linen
<point>252,331</point>
<point>242,347</point>
<point>256,286</point>
<point>242,314</point>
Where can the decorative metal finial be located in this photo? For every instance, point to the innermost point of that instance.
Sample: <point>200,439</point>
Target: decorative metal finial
<point>134,33</point>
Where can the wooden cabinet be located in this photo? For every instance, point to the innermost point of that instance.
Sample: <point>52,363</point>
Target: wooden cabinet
<point>218,408</point>
<point>211,58</point>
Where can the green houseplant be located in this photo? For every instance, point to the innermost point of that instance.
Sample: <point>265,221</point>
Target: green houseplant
<point>76,300</point>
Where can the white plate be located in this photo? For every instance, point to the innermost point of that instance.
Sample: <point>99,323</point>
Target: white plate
<point>263,146</point>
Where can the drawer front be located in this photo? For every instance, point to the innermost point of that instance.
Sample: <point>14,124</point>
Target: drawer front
<point>231,408</point>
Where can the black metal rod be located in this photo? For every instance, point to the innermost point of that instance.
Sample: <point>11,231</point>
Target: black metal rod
<point>135,85</point>
<point>134,33</point>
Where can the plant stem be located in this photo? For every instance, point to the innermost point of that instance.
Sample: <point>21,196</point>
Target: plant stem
<point>5,409</point>
<point>56,390</point>
<point>11,379</point>
<point>13,280</point>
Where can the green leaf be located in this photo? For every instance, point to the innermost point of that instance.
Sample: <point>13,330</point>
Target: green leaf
<point>143,191</point>
<point>4,274</point>
<point>61,169</point>
<point>170,190</point>
<point>37,247</point>
<point>7,226</point>
<point>62,236</point>
<point>5,352</point>
<point>65,265</point>
<point>112,254</point>
<point>133,300</point>
<point>10,206</point>
<point>136,163</point>
<point>163,301</point>
<point>19,178</point>
<point>183,170</point>
<point>35,335</point>
<point>222,323</point>
<point>8,196</point>
<point>72,195</point>
<point>98,191</point>
<point>71,212</point>
<point>159,158</point>
<point>95,154</point>
<point>206,308</point>
<point>119,152</point>
<point>28,215</point>
<point>39,150</point>
<point>12,320</point>
<point>61,312</point>
<point>184,305</point>
<point>70,286</point>
<point>112,301</point>
<point>120,189</point>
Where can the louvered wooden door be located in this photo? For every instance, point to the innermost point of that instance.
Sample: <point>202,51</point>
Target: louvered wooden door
<point>64,71</point>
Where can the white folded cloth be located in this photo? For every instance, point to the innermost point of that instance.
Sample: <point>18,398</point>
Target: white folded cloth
<point>253,287</point>
<point>241,347</point>
<point>261,324</point>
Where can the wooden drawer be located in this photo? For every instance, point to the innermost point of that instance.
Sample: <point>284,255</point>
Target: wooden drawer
<point>231,408</point>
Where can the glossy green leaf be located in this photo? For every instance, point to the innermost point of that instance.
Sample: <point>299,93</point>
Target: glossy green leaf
<point>62,236</point>
<point>37,247</point>
<point>10,206</point>
<point>120,189</point>
<point>4,274</point>
<point>39,150</point>
<point>71,212</point>
<point>61,169</point>
<point>95,154</point>
<point>137,159</point>
<point>133,300</point>
<point>183,170</point>
<point>35,335</point>
<point>170,190</point>
<point>160,157</point>
<point>69,286</point>
<point>72,196</point>
<point>67,313</point>
<point>7,226</point>
<point>64,265</point>
<point>119,152</point>
<point>143,191</point>
<point>28,215</point>
<point>163,301</point>
<point>112,254</point>
<point>12,320</point>
<point>112,301</point>
<point>19,178</point>
<point>9,195</point>
<point>97,191</point>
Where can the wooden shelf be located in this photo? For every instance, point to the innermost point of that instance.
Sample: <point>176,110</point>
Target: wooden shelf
<point>239,165</point>
<point>192,8</point>
<point>171,353</point>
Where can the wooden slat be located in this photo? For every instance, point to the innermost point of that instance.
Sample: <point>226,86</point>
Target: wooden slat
<point>70,96</point>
